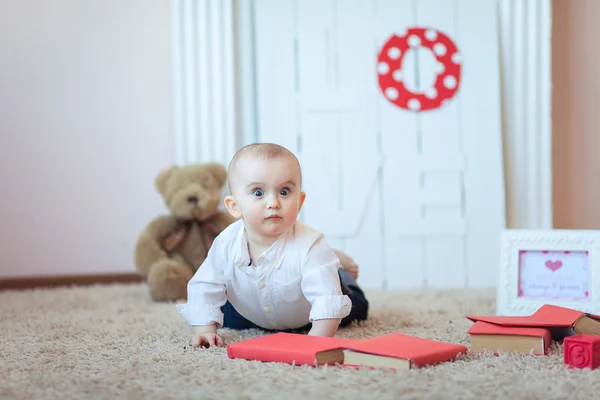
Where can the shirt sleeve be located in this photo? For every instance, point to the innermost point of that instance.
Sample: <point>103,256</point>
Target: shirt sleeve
<point>206,291</point>
<point>321,283</point>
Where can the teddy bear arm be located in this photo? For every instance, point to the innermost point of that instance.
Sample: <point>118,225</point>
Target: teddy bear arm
<point>149,249</point>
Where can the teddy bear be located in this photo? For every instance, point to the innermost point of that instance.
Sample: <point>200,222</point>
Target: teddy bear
<point>172,247</point>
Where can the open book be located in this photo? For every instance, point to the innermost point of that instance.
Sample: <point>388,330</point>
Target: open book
<point>395,350</point>
<point>400,351</point>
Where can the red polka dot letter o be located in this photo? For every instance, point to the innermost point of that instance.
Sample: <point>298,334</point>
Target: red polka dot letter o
<point>448,69</point>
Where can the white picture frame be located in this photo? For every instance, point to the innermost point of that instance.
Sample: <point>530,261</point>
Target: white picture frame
<point>559,267</point>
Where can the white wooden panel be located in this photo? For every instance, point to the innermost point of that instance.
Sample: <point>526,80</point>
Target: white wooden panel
<point>434,225</point>
<point>442,187</point>
<point>325,100</point>
<point>337,209</point>
<point>419,70</point>
<point>445,265</point>
<point>404,244</point>
<point>439,127</point>
<point>405,162</point>
<point>339,154</point>
<point>446,212</point>
<point>398,129</point>
<point>356,48</point>
<point>408,216</point>
<point>405,262</point>
<point>397,191</point>
<point>332,130</point>
<point>480,127</point>
<point>401,196</point>
<point>445,260</point>
<point>275,78</point>
<point>314,21</point>
<point>342,202</point>
<point>321,134</point>
<point>360,136</point>
<point>366,247</point>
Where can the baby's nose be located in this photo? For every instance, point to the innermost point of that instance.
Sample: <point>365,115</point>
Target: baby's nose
<point>273,203</point>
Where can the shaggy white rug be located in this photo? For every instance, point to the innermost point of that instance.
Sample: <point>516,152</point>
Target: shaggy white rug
<point>107,342</point>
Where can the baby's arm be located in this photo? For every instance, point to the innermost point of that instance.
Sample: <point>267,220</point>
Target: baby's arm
<point>206,296</point>
<point>321,287</point>
<point>324,327</point>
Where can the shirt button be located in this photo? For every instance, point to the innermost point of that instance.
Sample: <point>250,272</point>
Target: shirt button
<point>267,309</point>
<point>261,284</point>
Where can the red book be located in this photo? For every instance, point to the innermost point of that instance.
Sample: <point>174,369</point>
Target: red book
<point>390,351</point>
<point>291,348</point>
<point>399,351</point>
<point>549,316</point>
<point>496,338</point>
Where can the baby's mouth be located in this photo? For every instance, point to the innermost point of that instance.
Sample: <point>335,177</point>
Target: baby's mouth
<point>273,217</point>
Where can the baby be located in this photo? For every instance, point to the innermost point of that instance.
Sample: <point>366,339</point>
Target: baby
<point>269,270</point>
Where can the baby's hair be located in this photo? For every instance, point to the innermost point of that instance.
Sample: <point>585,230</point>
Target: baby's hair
<point>264,151</point>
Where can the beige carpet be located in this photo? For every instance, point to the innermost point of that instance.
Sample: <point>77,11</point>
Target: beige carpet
<point>107,342</point>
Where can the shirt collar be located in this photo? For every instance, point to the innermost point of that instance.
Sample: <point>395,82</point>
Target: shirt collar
<point>273,254</point>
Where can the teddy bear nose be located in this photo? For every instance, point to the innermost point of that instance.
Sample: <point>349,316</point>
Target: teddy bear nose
<point>193,199</point>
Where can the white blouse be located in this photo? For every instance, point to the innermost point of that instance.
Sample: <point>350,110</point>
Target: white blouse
<point>292,283</point>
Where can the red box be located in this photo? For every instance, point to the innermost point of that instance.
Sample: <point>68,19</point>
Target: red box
<point>582,351</point>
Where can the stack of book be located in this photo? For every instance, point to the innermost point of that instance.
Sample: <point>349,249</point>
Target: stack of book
<point>532,334</point>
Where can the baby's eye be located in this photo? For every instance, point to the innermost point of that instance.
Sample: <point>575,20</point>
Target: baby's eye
<point>284,192</point>
<point>257,192</point>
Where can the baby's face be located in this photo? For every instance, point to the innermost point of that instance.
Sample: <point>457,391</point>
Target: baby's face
<point>267,193</point>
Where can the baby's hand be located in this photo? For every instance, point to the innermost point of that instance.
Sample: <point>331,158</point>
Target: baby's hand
<point>206,340</point>
<point>206,336</point>
<point>347,263</point>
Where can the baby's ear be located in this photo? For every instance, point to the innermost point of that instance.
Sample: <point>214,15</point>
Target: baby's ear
<point>163,176</point>
<point>232,207</point>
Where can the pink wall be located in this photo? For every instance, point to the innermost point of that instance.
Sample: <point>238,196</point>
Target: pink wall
<point>85,125</point>
<point>576,114</point>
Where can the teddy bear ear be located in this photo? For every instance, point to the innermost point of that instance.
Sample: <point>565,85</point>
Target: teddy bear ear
<point>218,171</point>
<point>161,179</point>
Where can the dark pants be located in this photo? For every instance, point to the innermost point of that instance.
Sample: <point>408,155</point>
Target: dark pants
<point>359,311</point>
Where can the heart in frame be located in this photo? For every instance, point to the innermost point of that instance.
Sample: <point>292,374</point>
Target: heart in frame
<point>554,265</point>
